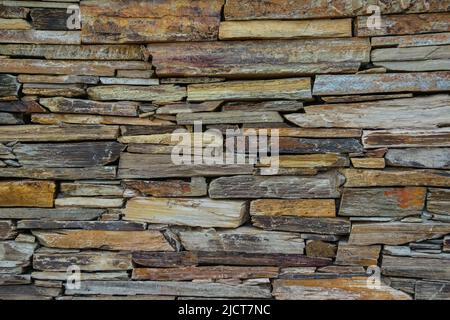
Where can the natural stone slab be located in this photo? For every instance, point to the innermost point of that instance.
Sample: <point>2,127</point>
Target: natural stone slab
<point>366,256</point>
<point>106,240</point>
<point>65,79</point>
<point>15,254</point>
<point>404,138</point>
<point>196,187</point>
<point>354,288</point>
<point>104,173</point>
<point>278,29</point>
<point>175,288</point>
<point>369,163</point>
<point>189,212</point>
<point>27,194</point>
<point>396,233</point>
<point>269,58</point>
<point>393,178</point>
<point>79,189</point>
<point>69,155</point>
<point>204,273</point>
<point>86,261</point>
<point>419,112</point>
<point>51,214</point>
<point>84,225</point>
<point>424,268</point>
<point>7,230</point>
<point>432,290</point>
<point>309,160</point>
<point>243,239</point>
<point>434,158</point>
<point>129,81</point>
<point>382,202</point>
<point>148,166</point>
<point>69,67</point>
<point>305,132</point>
<point>40,37</point>
<point>306,225</point>
<point>438,201</point>
<point>289,89</point>
<point>288,145</point>
<point>74,52</point>
<point>191,258</point>
<point>229,117</point>
<point>89,202</point>
<point>8,85</point>
<point>162,93</point>
<point>414,66</point>
<point>300,208</point>
<point>381,83</point>
<point>284,187</point>
<point>21,107</point>
<point>403,24</point>
<point>128,21</point>
<point>417,40</point>
<point>58,119</point>
<point>304,9</point>
<point>65,105</point>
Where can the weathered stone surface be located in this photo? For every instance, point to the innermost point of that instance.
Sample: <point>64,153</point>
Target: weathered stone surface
<point>79,189</point>
<point>163,93</point>
<point>106,240</point>
<point>411,53</point>
<point>89,202</point>
<point>50,19</point>
<point>420,112</point>
<point>10,119</point>
<point>434,158</point>
<point>27,194</point>
<point>7,230</point>
<point>300,208</point>
<point>15,254</point>
<point>196,187</point>
<point>68,67</point>
<point>438,201</point>
<point>259,58</point>
<point>8,85</point>
<point>412,66</point>
<point>14,24</point>
<point>403,138</point>
<point>433,269</point>
<point>75,52</point>
<point>302,9</point>
<point>84,225</point>
<point>85,276</point>
<point>69,155</point>
<point>64,105</point>
<point>432,290</point>
<point>369,163</point>
<point>86,260</point>
<point>13,12</point>
<point>192,258</point>
<point>50,214</point>
<point>317,248</point>
<point>305,132</point>
<point>58,119</point>
<point>190,212</point>
<point>382,202</point>
<point>40,37</point>
<point>366,256</point>
<point>275,29</point>
<point>319,160</point>
<point>60,173</point>
<point>243,239</point>
<point>21,107</point>
<point>419,40</point>
<point>128,21</point>
<point>321,225</point>
<point>49,90</point>
<point>147,166</point>
<point>404,24</point>
<point>65,79</point>
<point>381,83</point>
<point>229,117</point>
<point>203,273</point>
<point>396,233</point>
<point>181,288</point>
<point>334,289</point>
<point>393,178</point>
<point>280,106</point>
<point>290,145</point>
<point>287,187</point>
<point>288,89</point>
<point>129,81</point>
